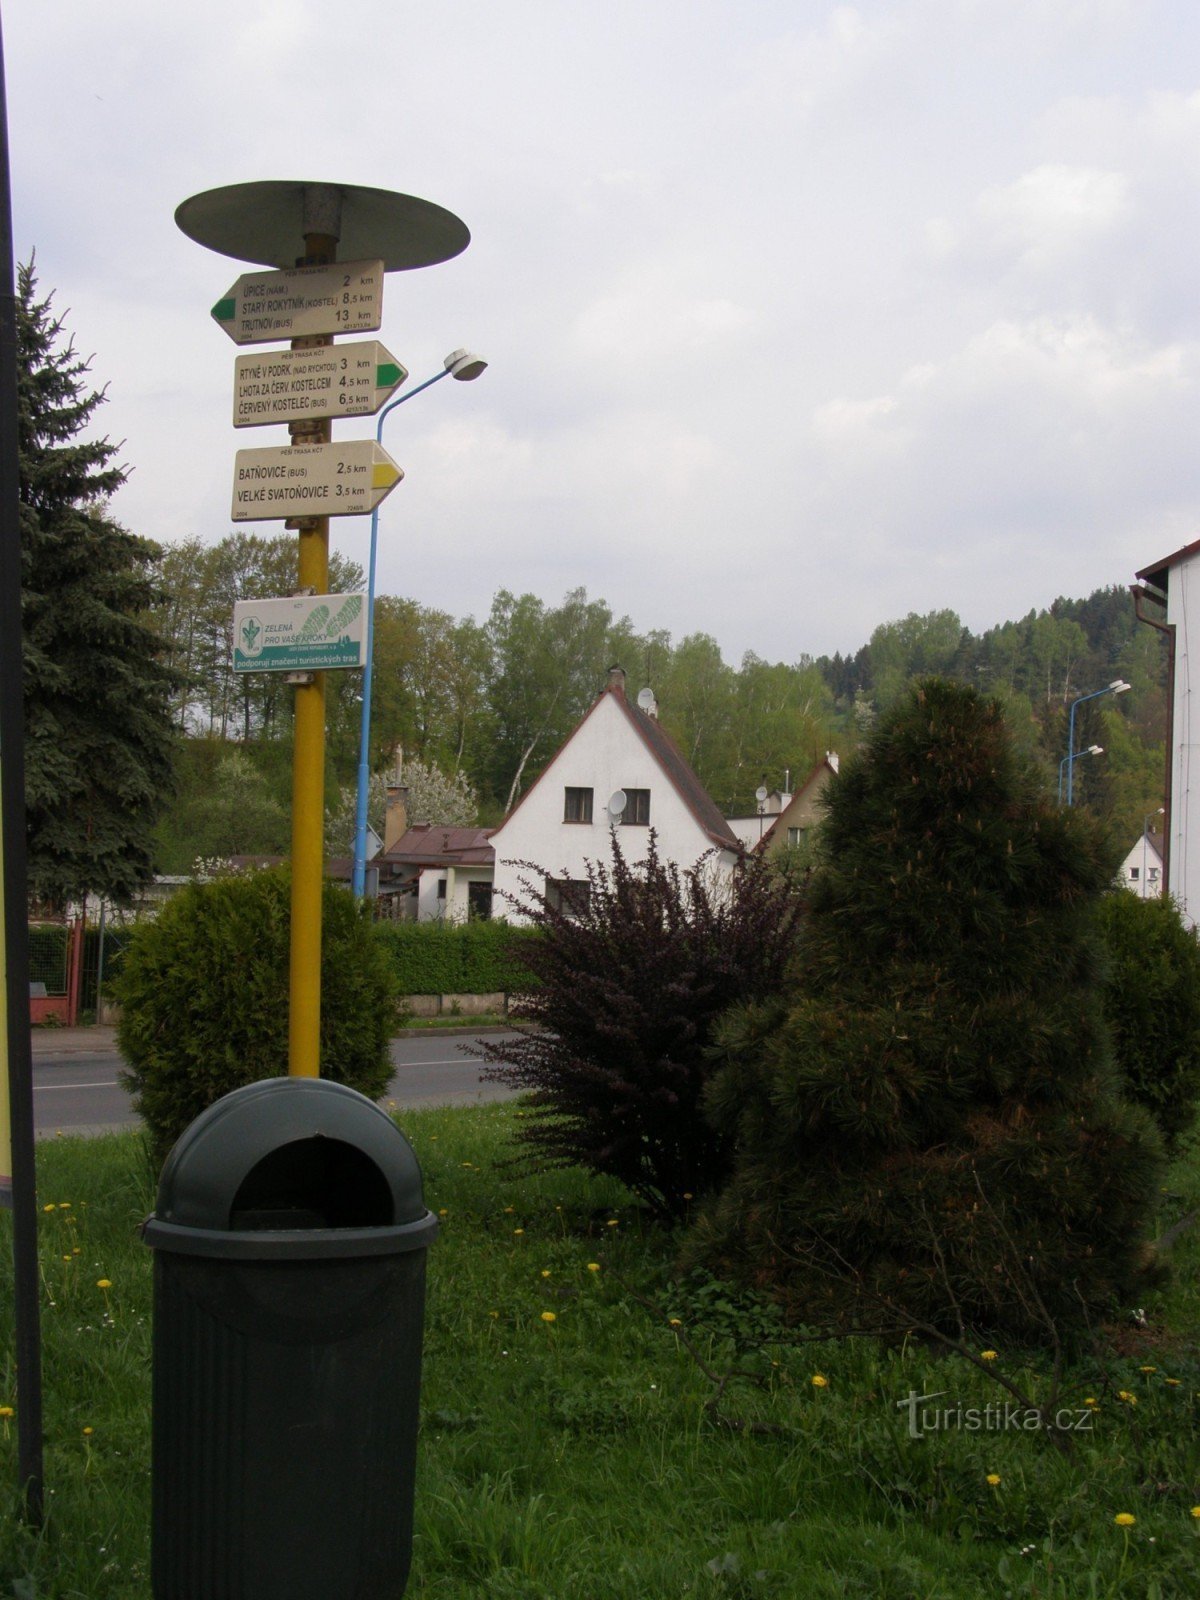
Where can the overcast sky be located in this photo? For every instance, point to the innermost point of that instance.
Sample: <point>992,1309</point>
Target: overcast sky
<point>800,316</point>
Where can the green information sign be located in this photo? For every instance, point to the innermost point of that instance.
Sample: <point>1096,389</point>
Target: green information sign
<point>306,633</point>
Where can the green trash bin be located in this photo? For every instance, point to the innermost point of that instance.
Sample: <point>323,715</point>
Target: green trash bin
<point>289,1239</point>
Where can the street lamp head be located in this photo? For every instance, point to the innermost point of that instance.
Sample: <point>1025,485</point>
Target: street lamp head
<point>1095,750</point>
<point>466,367</point>
<point>1119,686</point>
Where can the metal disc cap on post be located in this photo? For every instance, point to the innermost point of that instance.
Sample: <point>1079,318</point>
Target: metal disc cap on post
<point>266,223</point>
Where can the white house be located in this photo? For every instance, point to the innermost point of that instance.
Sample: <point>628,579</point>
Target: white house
<point>1168,598</point>
<point>618,767</point>
<point>1141,870</point>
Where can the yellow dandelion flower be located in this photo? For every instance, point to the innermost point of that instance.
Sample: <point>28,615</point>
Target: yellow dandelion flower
<point>104,1283</point>
<point>517,1232</point>
<point>548,1316</point>
<point>988,1355</point>
<point>508,1210</point>
<point>493,1313</point>
<point>1091,1401</point>
<point>64,1205</point>
<point>687,1196</point>
<point>1124,1519</point>
<point>612,1223</point>
<point>88,1432</point>
<point>1149,1369</point>
<point>443,1212</point>
<point>66,1258</point>
<point>1196,1511</point>
<point>48,1208</point>
<point>1129,1399</point>
<point>993,1478</point>
<point>819,1381</point>
<point>545,1272</point>
<point>675,1322</point>
<point>7,1411</point>
<point>1172,1383</point>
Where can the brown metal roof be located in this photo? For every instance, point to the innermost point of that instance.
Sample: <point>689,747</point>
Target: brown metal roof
<point>429,844</point>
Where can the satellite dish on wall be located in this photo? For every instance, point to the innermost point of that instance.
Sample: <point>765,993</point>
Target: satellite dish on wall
<point>647,702</point>
<point>616,805</point>
<point>760,794</point>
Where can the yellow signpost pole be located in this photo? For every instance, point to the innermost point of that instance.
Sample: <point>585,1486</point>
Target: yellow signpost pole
<point>308,761</point>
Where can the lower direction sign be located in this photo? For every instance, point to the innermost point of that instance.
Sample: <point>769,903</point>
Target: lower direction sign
<point>344,479</point>
<point>305,633</point>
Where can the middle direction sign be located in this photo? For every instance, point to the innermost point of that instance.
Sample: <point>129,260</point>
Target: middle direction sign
<point>300,302</point>
<point>344,479</point>
<point>336,380</point>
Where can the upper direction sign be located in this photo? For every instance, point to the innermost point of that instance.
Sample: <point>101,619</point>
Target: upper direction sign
<point>340,297</point>
<point>343,380</point>
<point>312,480</point>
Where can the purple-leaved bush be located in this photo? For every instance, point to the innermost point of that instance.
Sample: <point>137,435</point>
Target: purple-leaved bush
<point>632,978</point>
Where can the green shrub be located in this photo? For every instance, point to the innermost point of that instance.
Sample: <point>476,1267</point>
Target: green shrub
<point>475,957</point>
<point>928,1117</point>
<point>204,996</point>
<point>1152,1003</point>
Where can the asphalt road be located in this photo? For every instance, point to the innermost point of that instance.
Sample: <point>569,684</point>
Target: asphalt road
<point>79,1092</point>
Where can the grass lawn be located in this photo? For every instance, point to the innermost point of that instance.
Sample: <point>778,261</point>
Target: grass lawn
<point>569,1446</point>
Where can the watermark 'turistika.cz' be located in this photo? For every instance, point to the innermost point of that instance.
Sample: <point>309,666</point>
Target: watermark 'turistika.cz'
<point>995,1417</point>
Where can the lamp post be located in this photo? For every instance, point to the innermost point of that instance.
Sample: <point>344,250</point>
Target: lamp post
<point>465,367</point>
<point>1068,763</point>
<point>1117,686</point>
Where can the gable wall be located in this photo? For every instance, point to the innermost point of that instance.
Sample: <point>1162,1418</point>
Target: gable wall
<point>604,754</point>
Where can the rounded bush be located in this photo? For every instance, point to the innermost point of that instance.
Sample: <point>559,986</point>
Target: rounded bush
<point>1152,1005</point>
<point>204,997</point>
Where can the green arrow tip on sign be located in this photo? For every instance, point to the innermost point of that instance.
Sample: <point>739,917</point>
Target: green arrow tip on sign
<point>388,374</point>
<point>224,310</point>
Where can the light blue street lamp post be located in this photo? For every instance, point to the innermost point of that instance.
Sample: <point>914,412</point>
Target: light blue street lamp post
<point>1068,762</point>
<point>464,366</point>
<point>1117,686</point>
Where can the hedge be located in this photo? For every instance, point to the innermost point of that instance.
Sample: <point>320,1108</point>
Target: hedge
<point>457,958</point>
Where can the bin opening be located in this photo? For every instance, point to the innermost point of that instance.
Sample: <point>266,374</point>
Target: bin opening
<point>313,1183</point>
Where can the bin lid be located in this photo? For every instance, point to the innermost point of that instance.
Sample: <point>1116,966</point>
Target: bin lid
<point>291,1154</point>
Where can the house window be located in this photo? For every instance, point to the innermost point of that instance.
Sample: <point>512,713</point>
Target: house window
<point>1153,874</point>
<point>637,808</point>
<point>1133,874</point>
<point>577,805</point>
<point>479,901</point>
<point>796,835</point>
<point>568,894</point>
<point>441,889</point>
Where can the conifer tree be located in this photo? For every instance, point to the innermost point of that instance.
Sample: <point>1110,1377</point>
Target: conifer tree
<point>928,1119</point>
<point>98,724</point>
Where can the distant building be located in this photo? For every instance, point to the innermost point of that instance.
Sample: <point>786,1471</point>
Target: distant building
<point>792,828</point>
<point>1141,871</point>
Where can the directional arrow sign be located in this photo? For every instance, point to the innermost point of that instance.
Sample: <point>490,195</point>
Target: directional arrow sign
<point>343,297</point>
<point>344,380</point>
<point>314,480</point>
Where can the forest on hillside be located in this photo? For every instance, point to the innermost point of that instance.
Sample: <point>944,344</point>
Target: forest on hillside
<point>488,703</point>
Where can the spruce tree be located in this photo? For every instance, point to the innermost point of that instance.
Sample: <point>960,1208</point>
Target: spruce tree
<point>928,1119</point>
<point>99,742</point>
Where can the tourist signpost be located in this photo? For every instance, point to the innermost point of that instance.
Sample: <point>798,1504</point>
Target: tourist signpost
<point>295,304</point>
<point>346,380</point>
<point>315,480</point>
<point>310,301</point>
